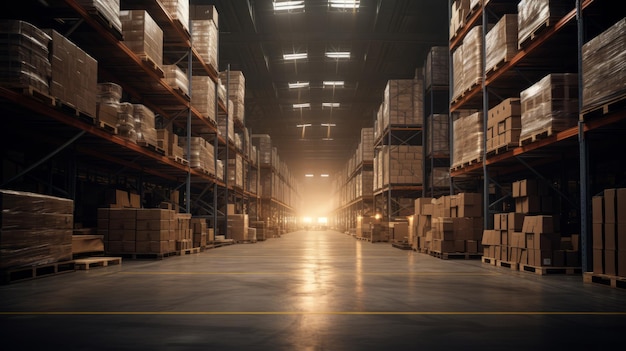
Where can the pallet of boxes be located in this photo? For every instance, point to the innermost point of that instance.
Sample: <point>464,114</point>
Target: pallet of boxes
<point>530,238</point>
<point>35,235</point>
<point>449,226</point>
<point>608,238</point>
<point>134,232</point>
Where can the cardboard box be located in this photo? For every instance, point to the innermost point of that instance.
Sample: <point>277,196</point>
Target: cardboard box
<point>598,261</point>
<point>610,262</point>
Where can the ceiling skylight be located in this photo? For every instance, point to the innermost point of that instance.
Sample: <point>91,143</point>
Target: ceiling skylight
<point>298,85</point>
<point>338,54</point>
<point>295,56</point>
<point>288,5</point>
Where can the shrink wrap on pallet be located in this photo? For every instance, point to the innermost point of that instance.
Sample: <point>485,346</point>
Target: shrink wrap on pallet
<point>550,105</point>
<point>143,35</point>
<point>467,143</point>
<point>604,66</point>
<point>35,230</point>
<point>501,42</point>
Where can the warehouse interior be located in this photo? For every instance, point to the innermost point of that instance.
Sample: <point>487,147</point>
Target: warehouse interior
<point>313,174</point>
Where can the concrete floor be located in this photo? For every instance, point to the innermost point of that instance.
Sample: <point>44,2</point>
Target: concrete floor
<point>305,291</point>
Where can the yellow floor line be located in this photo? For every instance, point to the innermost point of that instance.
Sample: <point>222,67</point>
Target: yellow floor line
<point>304,271</point>
<point>365,313</point>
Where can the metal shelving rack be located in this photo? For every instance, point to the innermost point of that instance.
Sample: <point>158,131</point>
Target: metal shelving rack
<point>554,157</point>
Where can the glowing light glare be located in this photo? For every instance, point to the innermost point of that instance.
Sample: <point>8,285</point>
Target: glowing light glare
<point>307,219</point>
<point>333,83</point>
<point>331,104</point>
<point>309,175</point>
<point>377,216</point>
<point>298,56</point>
<point>303,105</point>
<point>322,220</point>
<point>288,5</point>
<point>324,175</point>
<point>298,85</point>
<point>338,54</point>
<point>345,4</point>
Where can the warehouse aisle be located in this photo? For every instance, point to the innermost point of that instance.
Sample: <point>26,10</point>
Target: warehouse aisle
<point>316,290</point>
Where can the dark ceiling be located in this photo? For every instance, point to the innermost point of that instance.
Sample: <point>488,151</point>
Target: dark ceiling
<point>387,40</point>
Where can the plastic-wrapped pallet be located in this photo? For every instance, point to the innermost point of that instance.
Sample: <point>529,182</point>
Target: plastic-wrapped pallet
<point>398,103</point>
<point>142,35</point>
<point>176,78</point>
<point>263,142</point>
<point>144,124</point>
<point>203,96</point>
<point>472,58</point>
<point>201,153</point>
<point>108,100</point>
<point>236,90</point>
<point>501,42</point>
<point>24,56</point>
<point>36,229</point>
<point>178,10</point>
<point>533,14</point>
<point>109,9</point>
<point>550,105</point>
<point>436,70</point>
<point>126,122</point>
<point>205,36</point>
<point>458,83</point>
<point>467,143</point>
<point>604,66</point>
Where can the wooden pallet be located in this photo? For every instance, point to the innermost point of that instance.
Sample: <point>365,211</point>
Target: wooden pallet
<point>245,241</point>
<point>70,108</point>
<point>537,31</point>
<point>544,270</point>
<point>106,126</point>
<point>33,272</point>
<point>455,255</point>
<point>605,279</point>
<point>502,149</point>
<point>193,250</point>
<point>179,160</point>
<point>542,134</point>
<point>146,256</point>
<point>105,22</point>
<point>91,262</point>
<point>151,64</point>
<point>613,105</point>
<point>506,264</point>
<point>401,246</point>
<point>152,147</point>
<point>488,260</point>
<point>37,95</point>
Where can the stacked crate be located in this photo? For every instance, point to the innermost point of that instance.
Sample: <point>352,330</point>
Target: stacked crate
<point>35,230</point>
<point>154,231</point>
<point>422,234</point>
<point>168,141</point>
<point>108,101</point>
<point>143,36</point>
<point>108,9</point>
<point>201,153</point>
<point>236,90</point>
<point>533,15</point>
<point>467,141</point>
<point>183,231</point>
<point>504,125</point>
<point>457,224</point>
<point>609,232</point>
<point>74,75</point>
<point>237,227</point>
<point>205,32</point>
<point>178,11</point>
<point>145,125</point>
<point>200,230</point>
<point>176,78</point>
<point>203,96</point>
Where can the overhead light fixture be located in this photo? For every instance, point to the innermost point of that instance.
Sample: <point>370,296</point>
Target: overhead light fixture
<point>303,126</point>
<point>303,105</point>
<point>333,83</point>
<point>298,56</point>
<point>338,54</point>
<point>309,175</point>
<point>330,104</point>
<point>324,175</point>
<point>328,126</point>
<point>288,5</point>
<point>344,4</point>
<point>298,85</point>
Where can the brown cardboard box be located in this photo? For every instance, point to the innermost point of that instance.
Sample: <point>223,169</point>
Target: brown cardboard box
<point>610,205</point>
<point>610,262</point>
<point>621,263</point>
<point>598,261</point>
<point>610,236</point>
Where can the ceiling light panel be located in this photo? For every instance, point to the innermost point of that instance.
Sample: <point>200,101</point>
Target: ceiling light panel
<point>330,104</point>
<point>344,4</point>
<point>295,56</point>
<point>338,54</point>
<point>298,85</point>
<point>333,83</point>
<point>288,6</point>
<point>303,105</point>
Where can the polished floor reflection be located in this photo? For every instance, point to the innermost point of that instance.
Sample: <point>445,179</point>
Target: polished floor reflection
<point>309,290</point>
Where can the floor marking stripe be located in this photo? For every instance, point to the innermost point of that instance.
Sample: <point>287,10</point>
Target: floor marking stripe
<point>301,272</point>
<point>270,313</point>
